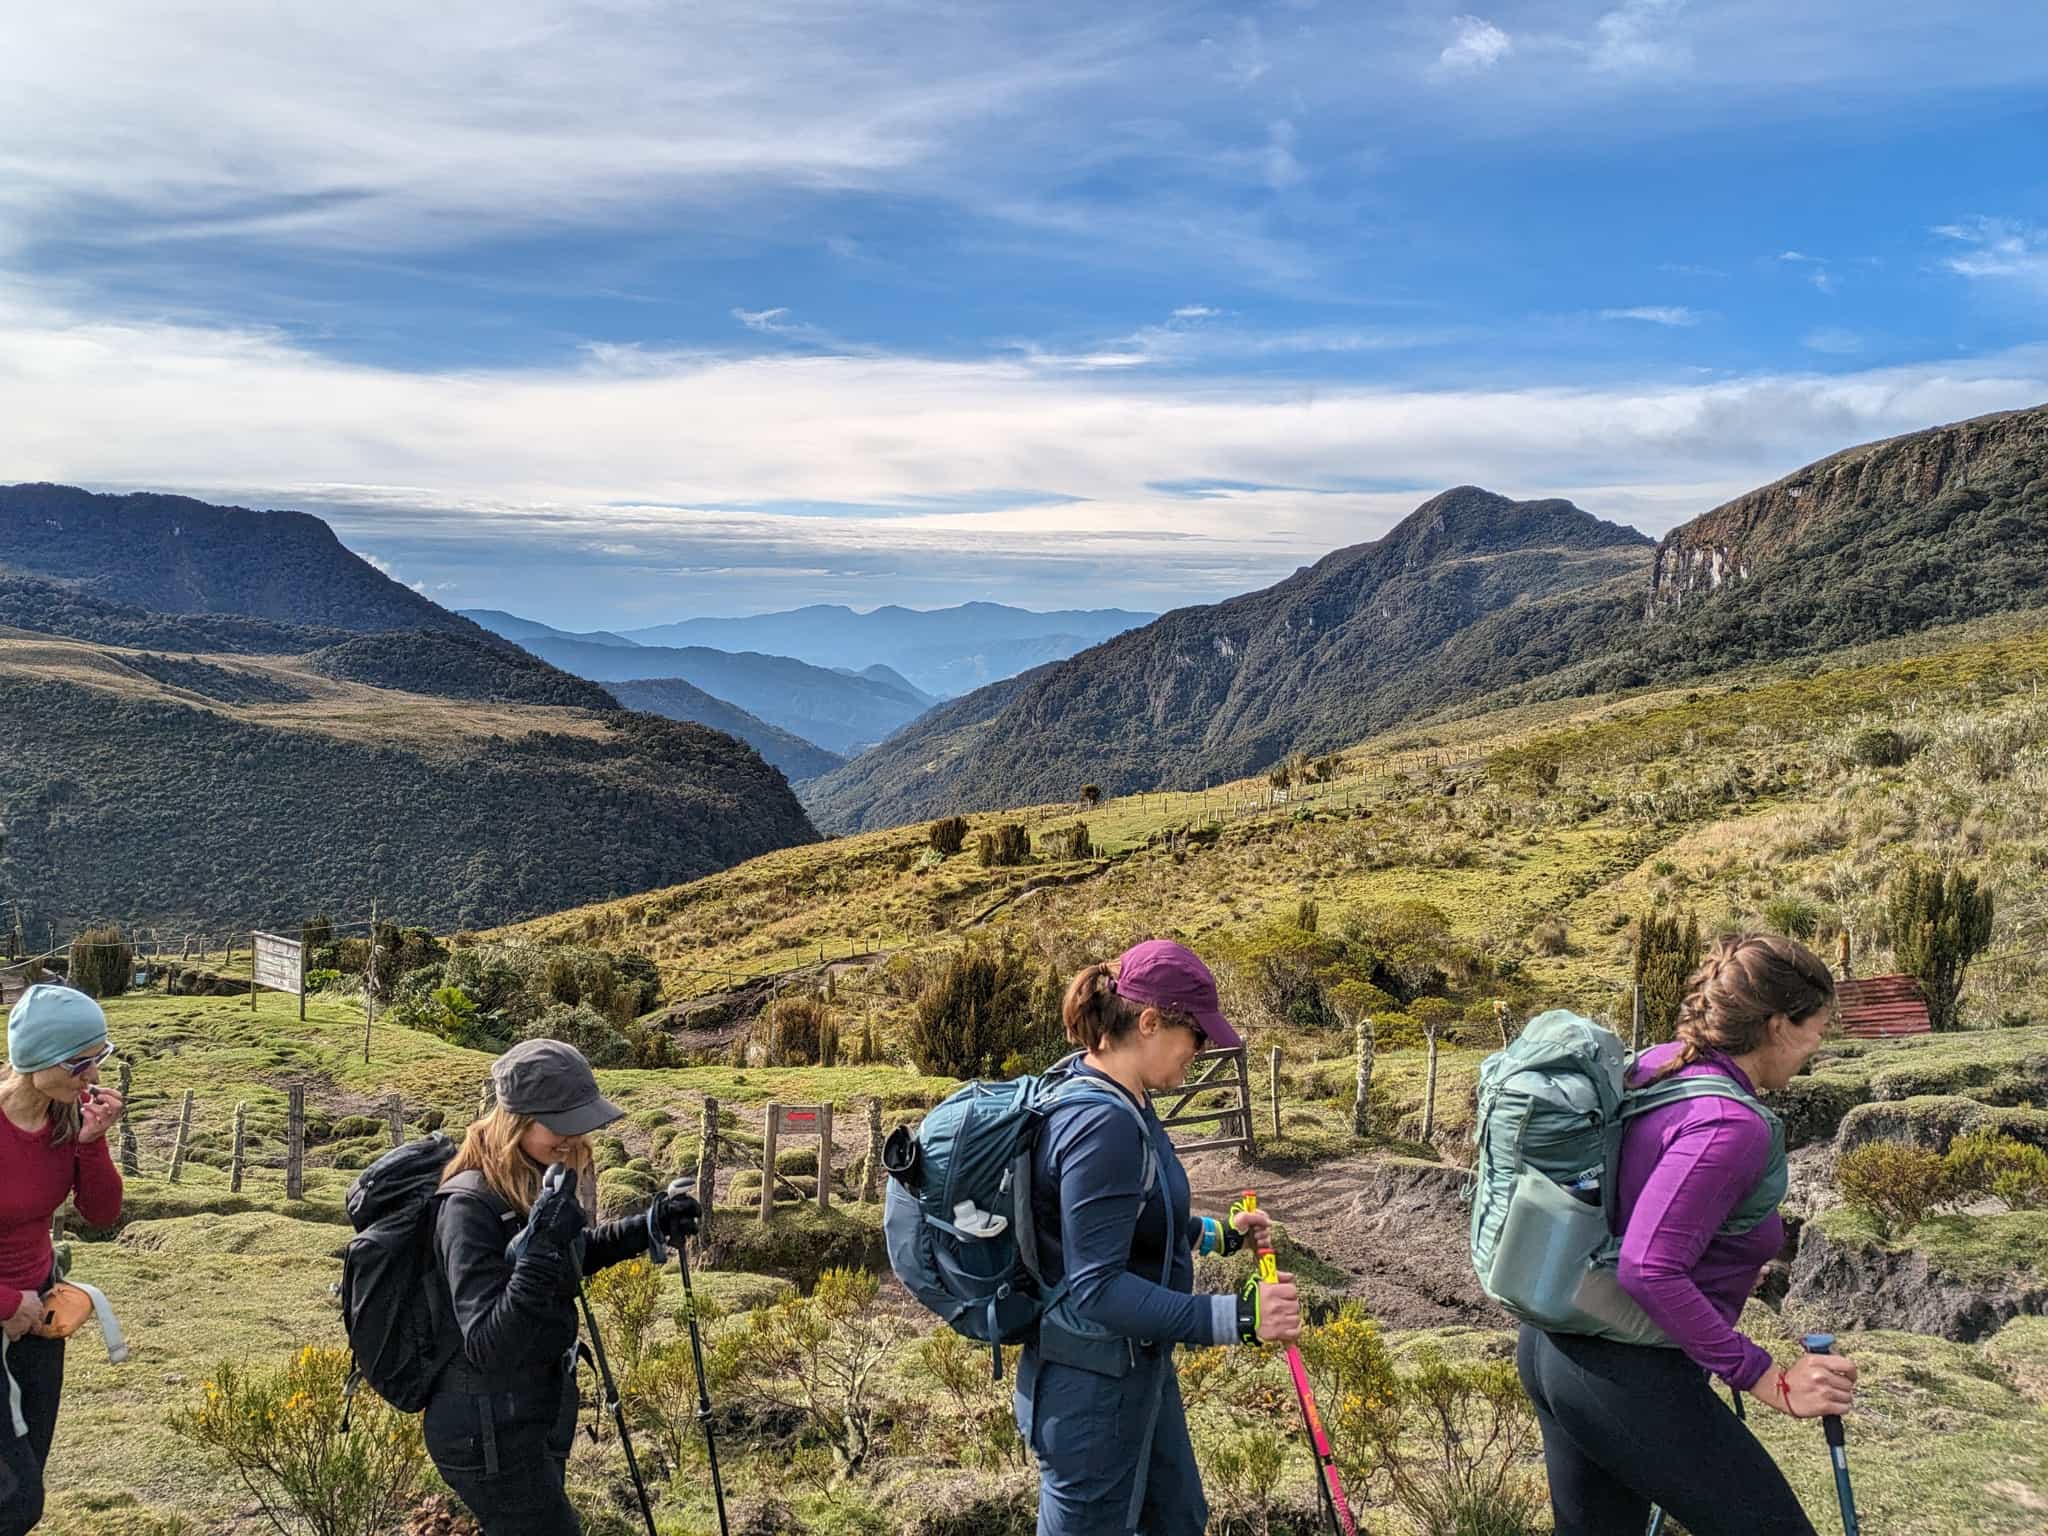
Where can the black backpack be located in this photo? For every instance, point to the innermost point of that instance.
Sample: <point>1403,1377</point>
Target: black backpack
<point>393,1303</point>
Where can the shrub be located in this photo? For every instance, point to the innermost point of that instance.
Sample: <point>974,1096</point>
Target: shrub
<point>1668,951</point>
<point>1446,1442</point>
<point>1879,747</point>
<point>948,835</point>
<point>1070,842</point>
<point>1984,1163</point>
<point>1550,936</point>
<point>582,1026</point>
<point>795,1032</point>
<point>1794,915</point>
<point>1893,1184</point>
<point>1940,922</point>
<point>1091,794</point>
<point>965,1023</point>
<point>279,1431</point>
<point>818,1357</point>
<point>102,963</point>
<point>1307,915</point>
<point>1406,945</point>
<point>1009,844</point>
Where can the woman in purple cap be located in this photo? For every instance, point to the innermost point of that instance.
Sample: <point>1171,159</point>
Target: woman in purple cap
<point>1097,1396</point>
<point>503,1414</point>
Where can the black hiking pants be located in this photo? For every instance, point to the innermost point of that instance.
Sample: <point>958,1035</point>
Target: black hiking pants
<point>1625,1427</point>
<point>506,1454</point>
<point>37,1366</point>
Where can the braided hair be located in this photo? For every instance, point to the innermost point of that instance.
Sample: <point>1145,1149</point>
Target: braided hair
<point>1745,981</point>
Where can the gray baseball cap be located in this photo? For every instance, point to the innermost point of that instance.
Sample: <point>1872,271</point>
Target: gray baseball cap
<point>553,1083</point>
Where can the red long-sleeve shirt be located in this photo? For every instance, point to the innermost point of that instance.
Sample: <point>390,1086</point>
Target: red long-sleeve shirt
<point>35,1176</point>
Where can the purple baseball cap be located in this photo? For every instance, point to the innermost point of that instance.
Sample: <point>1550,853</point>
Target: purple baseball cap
<point>1162,974</point>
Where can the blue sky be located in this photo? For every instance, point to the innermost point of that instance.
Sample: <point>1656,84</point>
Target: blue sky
<point>618,312</point>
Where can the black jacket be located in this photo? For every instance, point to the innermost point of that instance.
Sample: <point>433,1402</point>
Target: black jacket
<point>517,1322</point>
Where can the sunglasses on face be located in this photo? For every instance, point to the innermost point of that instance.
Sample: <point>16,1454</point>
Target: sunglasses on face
<point>78,1066</point>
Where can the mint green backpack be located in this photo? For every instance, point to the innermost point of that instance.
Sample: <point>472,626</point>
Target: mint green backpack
<point>1552,1107</point>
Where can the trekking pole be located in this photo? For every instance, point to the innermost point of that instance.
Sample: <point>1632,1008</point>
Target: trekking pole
<point>1838,1449</point>
<point>682,1187</point>
<point>554,1180</point>
<point>1335,1507</point>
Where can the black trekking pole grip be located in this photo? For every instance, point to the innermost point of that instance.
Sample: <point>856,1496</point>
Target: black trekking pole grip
<point>1838,1452</point>
<point>681,1187</point>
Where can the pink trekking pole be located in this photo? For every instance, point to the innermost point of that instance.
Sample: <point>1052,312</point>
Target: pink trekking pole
<point>1335,1507</point>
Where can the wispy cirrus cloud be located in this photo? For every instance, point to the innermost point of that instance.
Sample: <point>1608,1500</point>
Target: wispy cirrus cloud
<point>1655,314</point>
<point>1998,248</point>
<point>1640,37</point>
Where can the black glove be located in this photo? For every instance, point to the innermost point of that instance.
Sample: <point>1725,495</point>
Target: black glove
<point>554,1227</point>
<point>676,1216</point>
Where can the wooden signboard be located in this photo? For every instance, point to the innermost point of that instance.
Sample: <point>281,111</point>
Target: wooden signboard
<point>279,964</point>
<point>796,1120</point>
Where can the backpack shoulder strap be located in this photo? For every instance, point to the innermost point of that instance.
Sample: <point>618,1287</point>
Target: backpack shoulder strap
<point>471,1182</point>
<point>1073,1089</point>
<point>1677,1089</point>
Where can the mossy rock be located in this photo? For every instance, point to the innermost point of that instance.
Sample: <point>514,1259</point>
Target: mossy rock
<point>1935,1120</point>
<point>1915,1080</point>
<point>607,1152</point>
<point>248,1232</point>
<point>640,1165</point>
<point>651,1119</point>
<point>1813,1107</point>
<point>797,1160</point>
<point>623,1192</point>
<point>800,1243</point>
<point>348,1127</point>
<point>746,1182</point>
<point>737,1291</point>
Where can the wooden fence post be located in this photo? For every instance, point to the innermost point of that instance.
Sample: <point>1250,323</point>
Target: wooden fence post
<point>1429,1088</point>
<point>241,1142</point>
<point>871,1181</point>
<point>825,1156</point>
<point>1274,1089</point>
<point>394,1111</point>
<point>129,1160</point>
<point>707,1168</point>
<point>295,1143</point>
<point>768,1162</point>
<point>184,1134</point>
<point>1361,1106</point>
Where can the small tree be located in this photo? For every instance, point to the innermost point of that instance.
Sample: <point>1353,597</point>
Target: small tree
<point>1940,922</point>
<point>102,962</point>
<point>793,1032</point>
<point>279,1431</point>
<point>1668,951</point>
<point>965,1023</point>
<point>1091,794</point>
<point>821,1357</point>
<point>948,835</point>
<point>1009,844</point>
<point>1307,915</point>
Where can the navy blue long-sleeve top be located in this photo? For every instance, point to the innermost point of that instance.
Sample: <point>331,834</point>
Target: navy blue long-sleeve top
<point>1095,1224</point>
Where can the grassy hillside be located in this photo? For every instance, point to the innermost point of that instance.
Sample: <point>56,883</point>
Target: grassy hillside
<point>236,790</point>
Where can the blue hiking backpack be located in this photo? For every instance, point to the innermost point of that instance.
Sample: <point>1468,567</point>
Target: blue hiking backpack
<point>958,1216</point>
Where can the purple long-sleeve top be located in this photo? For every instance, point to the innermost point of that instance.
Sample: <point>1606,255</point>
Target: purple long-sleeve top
<point>1684,1169</point>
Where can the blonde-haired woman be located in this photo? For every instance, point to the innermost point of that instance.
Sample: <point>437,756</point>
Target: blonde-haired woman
<point>502,1416</point>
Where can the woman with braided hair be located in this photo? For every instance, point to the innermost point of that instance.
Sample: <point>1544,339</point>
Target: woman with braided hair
<point>1625,1426</point>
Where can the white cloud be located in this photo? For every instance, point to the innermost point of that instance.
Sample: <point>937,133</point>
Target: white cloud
<point>1655,314</point>
<point>1637,38</point>
<point>1196,312</point>
<point>654,452</point>
<point>1476,45</point>
<point>1998,248</point>
<point>1822,276</point>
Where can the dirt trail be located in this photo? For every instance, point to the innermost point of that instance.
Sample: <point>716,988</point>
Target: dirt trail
<point>1397,1230</point>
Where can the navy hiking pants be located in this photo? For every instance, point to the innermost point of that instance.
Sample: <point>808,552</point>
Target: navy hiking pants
<point>1086,1430</point>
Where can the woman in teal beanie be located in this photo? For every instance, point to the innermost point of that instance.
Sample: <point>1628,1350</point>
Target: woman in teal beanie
<point>54,1118</point>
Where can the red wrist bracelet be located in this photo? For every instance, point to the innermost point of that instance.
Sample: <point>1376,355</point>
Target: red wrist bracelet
<point>1785,1388</point>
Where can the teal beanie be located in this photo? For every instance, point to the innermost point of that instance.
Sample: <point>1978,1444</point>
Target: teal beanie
<point>51,1024</point>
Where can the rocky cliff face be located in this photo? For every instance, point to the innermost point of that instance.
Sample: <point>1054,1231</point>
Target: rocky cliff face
<point>1727,544</point>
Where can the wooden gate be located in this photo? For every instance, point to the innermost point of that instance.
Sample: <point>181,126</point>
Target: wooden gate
<point>1222,1069</point>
